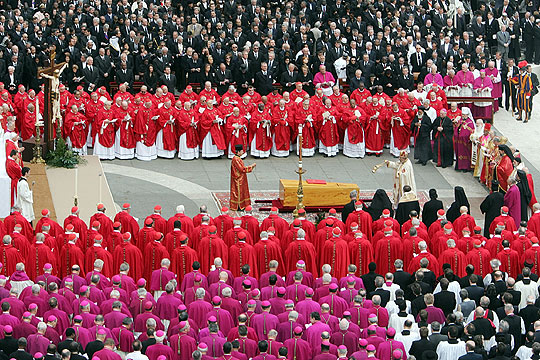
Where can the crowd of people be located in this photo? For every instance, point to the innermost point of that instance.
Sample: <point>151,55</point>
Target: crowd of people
<point>363,285</point>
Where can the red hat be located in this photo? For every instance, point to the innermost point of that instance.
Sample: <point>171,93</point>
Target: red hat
<point>440,212</point>
<point>98,237</point>
<point>74,209</point>
<point>301,211</point>
<point>95,223</point>
<point>157,208</point>
<point>274,209</point>
<point>466,229</point>
<point>487,126</point>
<point>477,228</point>
<point>297,222</point>
<point>354,224</point>
<point>522,64</point>
<point>126,236</point>
<point>20,226</point>
<point>72,237</point>
<point>387,229</point>
<point>271,229</point>
<point>45,212</point>
<point>224,209</point>
<point>330,222</point>
<point>386,212</point>
<point>500,224</point>
<point>332,211</point>
<point>534,240</point>
<point>504,208</point>
<point>157,236</point>
<point>126,206</point>
<point>69,227</point>
<point>448,226</point>
<point>358,202</point>
<point>336,231</point>
<point>116,224</point>
<point>477,242</point>
<point>388,223</point>
<point>249,208</point>
<point>100,206</point>
<point>242,235</point>
<point>148,221</point>
<point>212,228</point>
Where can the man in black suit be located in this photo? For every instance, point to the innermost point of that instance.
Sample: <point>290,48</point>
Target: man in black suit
<point>264,80</point>
<point>125,75</point>
<point>104,64</point>
<point>21,353</point>
<point>402,278</point>
<point>288,78</point>
<point>528,38</point>
<point>384,294</point>
<point>418,59</point>
<point>91,75</point>
<point>406,81</point>
<point>223,78</point>
<point>369,278</point>
<point>445,300</point>
<point>168,79</point>
<point>366,65</point>
<point>8,344</point>
<point>418,347</point>
<point>349,207</point>
<point>471,354</point>
<point>475,291</point>
<point>96,345</point>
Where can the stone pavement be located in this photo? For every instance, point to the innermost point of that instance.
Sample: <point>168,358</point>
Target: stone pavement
<point>172,182</point>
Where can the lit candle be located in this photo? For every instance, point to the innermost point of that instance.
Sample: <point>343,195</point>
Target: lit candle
<point>300,129</point>
<point>300,164</point>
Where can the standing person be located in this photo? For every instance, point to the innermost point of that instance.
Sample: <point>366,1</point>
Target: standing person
<point>14,172</point>
<point>512,200</point>
<point>491,206</point>
<point>421,130</point>
<point>25,198</point>
<point>460,199</point>
<point>430,209</point>
<point>463,128</point>
<point>504,167</point>
<point>443,143</point>
<point>239,192</point>
<point>525,193</point>
<point>525,86</point>
<point>403,175</point>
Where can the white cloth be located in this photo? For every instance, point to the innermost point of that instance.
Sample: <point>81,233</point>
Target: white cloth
<point>407,340</point>
<point>25,199</point>
<point>145,153</point>
<point>161,152</point>
<point>122,152</point>
<point>5,181</point>
<point>393,149</point>
<point>104,153</point>
<point>397,322</point>
<point>526,290</point>
<point>524,352</point>
<point>81,151</point>
<point>185,152</point>
<point>255,151</point>
<point>275,151</point>
<point>230,153</point>
<point>21,285</point>
<point>404,175</point>
<point>305,151</point>
<point>89,139</point>
<point>328,150</point>
<point>353,150</point>
<point>136,355</point>
<point>448,351</point>
<point>209,149</point>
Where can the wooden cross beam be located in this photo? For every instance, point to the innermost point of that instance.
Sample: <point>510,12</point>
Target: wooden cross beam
<point>47,112</point>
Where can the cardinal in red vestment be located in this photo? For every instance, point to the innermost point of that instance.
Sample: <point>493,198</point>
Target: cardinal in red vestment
<point>281,121</point>
<point>362,218</point>
<point>455,257</point>
<point>260,132</point>
<point>129,224</point>
<point>210,124</point>
<point>182,258</point>
<point>401,130</point>
<point>479,258</point>
<point>266,250</point>
<point>124,124</point>
<point>75,127</point>
<point>71,254</point>
<point>145,127</point>
<point>239,192</point>
<point>237,132</point>
<point>361,253</point>
<point>424,254</point>
<point>374,128</point>
<point>167,124</point>
<point>211,247</point>
<point>14,172</point>
<point>300,249</point>
<point>240,254</point>
<point>387,250</point>
<point>153,254</point>
<point>510,261</point>
<point>38,255</point>
<point>28,126</point>
<point>128,253</point>
<point>335,252</point>
<point>98,252</point>
<point>327,125</point>
<point>306,116</point>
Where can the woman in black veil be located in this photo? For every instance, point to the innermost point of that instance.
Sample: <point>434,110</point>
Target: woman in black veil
<point>379,203</point>
<point>460,199</point>
<point>429,212</point>
<point>525,191</point>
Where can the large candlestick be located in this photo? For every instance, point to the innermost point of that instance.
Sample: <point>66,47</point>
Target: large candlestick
<point>300,171</point>
<point>75,197</point>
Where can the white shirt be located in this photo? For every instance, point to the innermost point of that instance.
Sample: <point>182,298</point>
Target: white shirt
<point>448,351</point>
<point>136,355</point>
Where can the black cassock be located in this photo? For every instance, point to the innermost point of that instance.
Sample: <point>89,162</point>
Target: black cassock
<point>404,209</point>
<point>422,138</point>
<point>443,147</point>
<point>491,207</point>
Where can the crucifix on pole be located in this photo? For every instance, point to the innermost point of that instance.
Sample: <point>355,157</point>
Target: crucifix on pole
<point>51,111</point>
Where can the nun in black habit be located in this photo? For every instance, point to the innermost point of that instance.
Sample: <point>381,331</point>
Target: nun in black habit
<point>380,202</point>
<point>421,130</point>
<point>460,199</point>
<point>525,192</point>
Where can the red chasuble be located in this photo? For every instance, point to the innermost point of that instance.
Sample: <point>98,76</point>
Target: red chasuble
<point>282,131</point>
<point>401,129</point>
<point>187,123</point>
<point>167,123</point>
<point>145,126</point>
<point>239,255</point>
<point>77,133</point>
<point>260,126</point>
<point>124,122</point>
<point>129,253</point>
<point>207,125</point>
<point>328,127</point>
<point>105,132</point>
<point>239,191</point>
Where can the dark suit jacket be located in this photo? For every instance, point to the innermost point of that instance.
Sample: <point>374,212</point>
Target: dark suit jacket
<point>91,77</point>
<point>347,209</point>
<point>417,66</point>
<point>125,78</point>
<point>471,356</point>
<point>367,69</point>
<point>446,301</point>
<point>384,294</point>
<point>419,346</point>
<point>92,347</point>
<point>475,293</point>
<point>287,81</point>
<point>263,83</point>
<point>407,84</point>
<point>402,278</point>
<point>171,83</point>
<point>21,355</point>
